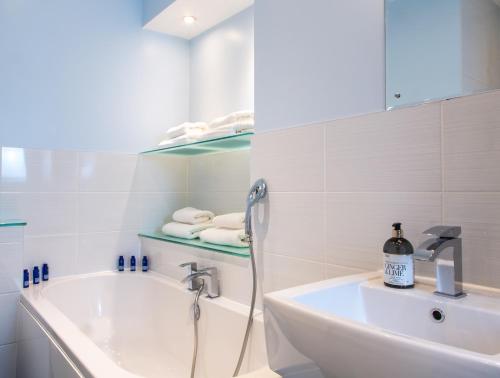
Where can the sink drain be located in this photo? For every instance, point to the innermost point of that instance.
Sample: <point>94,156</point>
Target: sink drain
<point>437,315</point>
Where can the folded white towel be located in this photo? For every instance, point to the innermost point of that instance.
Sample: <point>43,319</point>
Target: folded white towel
<point>224,236</point>
<point>184,230</point>
<point>216,133</point>
<point>227,130</point>
<point>237,127</point>
<point>234,221</point>
<point>192,216</point>
<point>231,118</point>
<point>191,129</point>
<point>177,141</point>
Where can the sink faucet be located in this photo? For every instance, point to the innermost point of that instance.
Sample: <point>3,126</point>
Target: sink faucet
<point>212,283</point>
<point>446,249</point>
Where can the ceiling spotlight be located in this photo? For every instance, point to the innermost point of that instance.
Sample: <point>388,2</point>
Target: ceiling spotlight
<point>189,20</point>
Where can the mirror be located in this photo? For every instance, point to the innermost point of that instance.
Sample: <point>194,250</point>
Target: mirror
<point>437,49</point>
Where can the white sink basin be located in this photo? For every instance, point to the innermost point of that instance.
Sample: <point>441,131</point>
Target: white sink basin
<point>356,327</point>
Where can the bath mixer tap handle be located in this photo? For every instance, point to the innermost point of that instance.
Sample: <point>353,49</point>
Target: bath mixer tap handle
<point>192,265</point>
<point>191,268</point>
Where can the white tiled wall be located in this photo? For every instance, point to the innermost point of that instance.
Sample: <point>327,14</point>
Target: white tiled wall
<point>11,249</point>
<point>335,189</point>
<point>219,182</point>
<point>83,208</point>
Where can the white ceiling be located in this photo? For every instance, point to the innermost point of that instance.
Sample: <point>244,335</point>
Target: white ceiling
<point>208,13</point>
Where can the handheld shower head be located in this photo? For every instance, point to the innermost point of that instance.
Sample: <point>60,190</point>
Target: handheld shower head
<point>257,192</point>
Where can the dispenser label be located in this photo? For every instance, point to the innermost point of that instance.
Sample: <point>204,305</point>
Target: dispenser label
<point>398,270</point>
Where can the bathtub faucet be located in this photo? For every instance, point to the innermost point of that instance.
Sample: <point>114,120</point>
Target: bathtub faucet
<point>212,282</point>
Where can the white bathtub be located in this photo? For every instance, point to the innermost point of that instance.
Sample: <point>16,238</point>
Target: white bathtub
<point>140,325</point>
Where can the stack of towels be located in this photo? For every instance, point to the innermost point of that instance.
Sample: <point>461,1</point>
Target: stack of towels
<point>188,223</point>
<point>191,223</point>
<point>229,229</point>
<point>190,132</point>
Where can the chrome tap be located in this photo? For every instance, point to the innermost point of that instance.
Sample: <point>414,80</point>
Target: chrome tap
<point>446,249</point>
<point>191,267</point>
<point>212,283</point>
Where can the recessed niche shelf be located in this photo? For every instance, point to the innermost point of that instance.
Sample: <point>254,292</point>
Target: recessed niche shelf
<point>12,223</point>
<point>227,143</point>
<point>197,243</point>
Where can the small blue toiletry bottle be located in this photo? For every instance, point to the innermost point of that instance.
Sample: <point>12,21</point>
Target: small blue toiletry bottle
<point>26,278</point>
<point>36,275</point>
<point>121,264</point>
<point>45,272</point>
<point>132,264</point>
<point>145,264</point>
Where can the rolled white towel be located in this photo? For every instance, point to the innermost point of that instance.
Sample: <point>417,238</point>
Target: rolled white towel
<point>231,118</point>
<point>192,216</point>
<point>184,230</point>
<point>191,129</point>
<point>224,236</point>
<point>234,221</point>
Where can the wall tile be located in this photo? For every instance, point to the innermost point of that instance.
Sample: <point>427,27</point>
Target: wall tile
<point>8,304</point>
<point>106,172</point>
<point>11,234</point>
<point>100,251</point>
<point>58,251</point>
<point>24,170</point>
<point>157,208</point>
<point>472,143</point>
<point>478,214</point>
<point>11,263</point>
<point>281,272</point>
<point>46,213</point>
<point>290,160</point>
<point>105,212</point>
<point>334,271</point>
<point>218,202</point>
<point>161,174</point>
<point>358,224</point>
<point>8,355</point>
<point>295,225</point>
<point>391,151</point>
<point>224,172</point>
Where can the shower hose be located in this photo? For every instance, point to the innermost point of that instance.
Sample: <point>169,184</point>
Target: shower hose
<point>196,316</point>
<point>257,192</point>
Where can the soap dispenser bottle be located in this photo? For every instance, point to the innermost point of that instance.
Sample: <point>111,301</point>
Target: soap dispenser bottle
<point>399,269</point>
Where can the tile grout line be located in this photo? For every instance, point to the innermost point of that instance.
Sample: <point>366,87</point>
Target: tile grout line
<point>442,158</point>
<point>77,249</point>
<point>325,247</point>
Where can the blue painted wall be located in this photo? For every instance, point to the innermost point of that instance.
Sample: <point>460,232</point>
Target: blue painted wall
<point>222,74</point>
<point>151,8</point>
<point>317,60</point>
<point>83,75</point>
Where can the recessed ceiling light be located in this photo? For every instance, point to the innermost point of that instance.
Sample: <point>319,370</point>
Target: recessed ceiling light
<point>189,20</point>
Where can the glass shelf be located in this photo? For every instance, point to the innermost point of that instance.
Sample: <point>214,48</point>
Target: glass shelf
<point>223,144</point>
<point>197,243</point>
<point>12,223</point>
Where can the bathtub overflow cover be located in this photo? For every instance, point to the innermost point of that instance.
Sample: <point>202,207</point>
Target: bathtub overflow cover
<point>437,315</point>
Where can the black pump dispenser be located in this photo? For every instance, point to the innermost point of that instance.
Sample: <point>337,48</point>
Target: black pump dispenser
<point>399,269</point>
